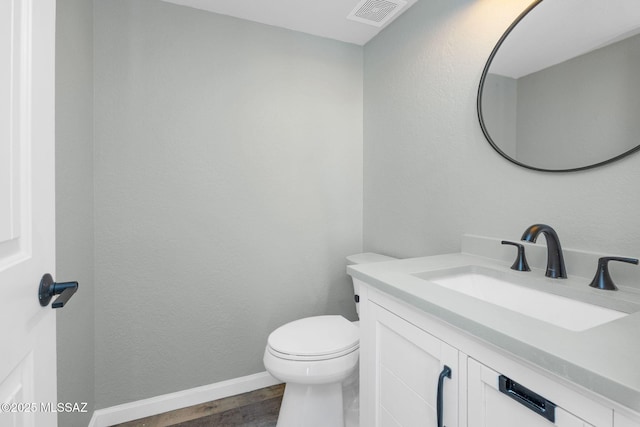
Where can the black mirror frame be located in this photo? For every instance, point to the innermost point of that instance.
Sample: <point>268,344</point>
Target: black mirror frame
<point>484,128</point>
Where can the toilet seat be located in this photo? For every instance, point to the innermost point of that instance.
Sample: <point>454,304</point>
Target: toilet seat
<point>314,339</point>
<point>309,372</point>
<point>311,358</point>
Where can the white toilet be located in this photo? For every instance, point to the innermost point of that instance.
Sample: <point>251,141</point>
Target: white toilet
<point>317,358</point>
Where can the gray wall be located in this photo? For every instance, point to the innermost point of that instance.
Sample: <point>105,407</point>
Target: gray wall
<point>74,204</point>
<point>499,111</point>
<point>430,176</point>
<point>228,191</point>
<point>587,110</point>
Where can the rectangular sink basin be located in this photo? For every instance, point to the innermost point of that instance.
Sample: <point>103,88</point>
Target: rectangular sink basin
<point>495,287</point>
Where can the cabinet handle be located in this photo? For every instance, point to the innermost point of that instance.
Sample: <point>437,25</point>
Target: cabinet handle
<point>446,373</point>
<point>528,398</point>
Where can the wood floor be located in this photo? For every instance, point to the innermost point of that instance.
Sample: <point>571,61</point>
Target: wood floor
<point>257,408</point>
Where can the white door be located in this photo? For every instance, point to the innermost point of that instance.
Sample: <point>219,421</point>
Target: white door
<point>489,407</point>
<point>408,366</point>
<point>27,247</point>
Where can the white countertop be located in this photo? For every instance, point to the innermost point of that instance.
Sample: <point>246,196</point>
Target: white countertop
<point>604,359</point>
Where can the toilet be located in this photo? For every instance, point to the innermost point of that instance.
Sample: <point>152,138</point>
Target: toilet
<point>317,358</point>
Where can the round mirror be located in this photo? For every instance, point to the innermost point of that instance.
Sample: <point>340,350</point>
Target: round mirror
<point>561,89</point>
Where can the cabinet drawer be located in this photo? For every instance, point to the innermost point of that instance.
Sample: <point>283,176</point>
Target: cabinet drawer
<point>491,407</point>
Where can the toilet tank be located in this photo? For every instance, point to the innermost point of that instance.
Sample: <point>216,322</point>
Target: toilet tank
<point>364,258</point>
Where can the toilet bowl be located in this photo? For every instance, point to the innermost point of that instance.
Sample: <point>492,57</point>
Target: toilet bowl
<point>317,358</point>
<point>313,356</point>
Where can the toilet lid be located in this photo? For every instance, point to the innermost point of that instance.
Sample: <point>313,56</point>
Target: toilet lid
<point>315,336</point>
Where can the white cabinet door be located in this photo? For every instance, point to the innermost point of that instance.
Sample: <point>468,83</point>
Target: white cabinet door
<point>406,363</point>
<point>489,407</point>
<point>27,247</point>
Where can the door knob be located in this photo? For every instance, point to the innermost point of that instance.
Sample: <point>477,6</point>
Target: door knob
<point>48,288</point>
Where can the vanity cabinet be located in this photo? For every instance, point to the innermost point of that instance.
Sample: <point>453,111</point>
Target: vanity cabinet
<point>404,351</point>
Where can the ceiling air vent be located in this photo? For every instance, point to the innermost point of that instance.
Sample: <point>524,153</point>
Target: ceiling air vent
<point>376,12</point>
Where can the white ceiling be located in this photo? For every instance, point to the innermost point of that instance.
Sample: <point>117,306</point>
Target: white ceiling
<point>324,18</point>
<point>556,31</point>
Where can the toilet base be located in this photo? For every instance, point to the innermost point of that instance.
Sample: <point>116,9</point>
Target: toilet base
<point>318,405</point>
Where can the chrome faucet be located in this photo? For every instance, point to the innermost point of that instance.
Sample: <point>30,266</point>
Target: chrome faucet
<point>555,260</point>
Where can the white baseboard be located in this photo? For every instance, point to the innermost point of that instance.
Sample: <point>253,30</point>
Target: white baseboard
<point>181,399</point>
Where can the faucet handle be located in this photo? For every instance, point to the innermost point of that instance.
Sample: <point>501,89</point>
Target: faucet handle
<point>520,264</point>
<point>602,279</point>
